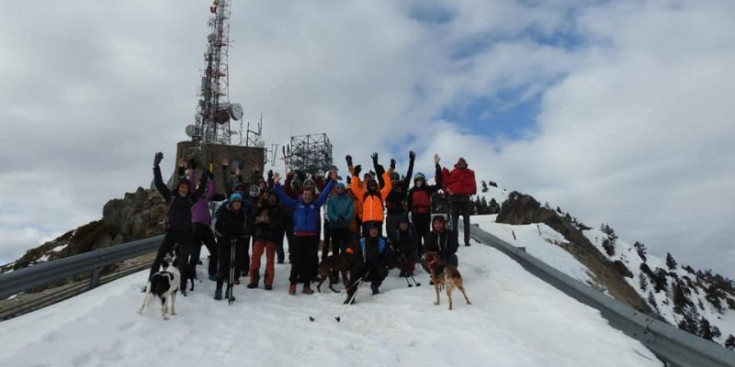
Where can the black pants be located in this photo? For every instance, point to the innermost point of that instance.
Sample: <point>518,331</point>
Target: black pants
<point>304,259</point>
<point>184,240</point>
<point>376,273</point>
<point>391,223</point>
<point>280,254</point>
<point>242,257</point>
<point>291,238</point>
<point>465,209</point>
<point>202,233</point>
<point>422,224</point>
<point>340,237</point>
<point>224,251</point>
<point>327,242</point>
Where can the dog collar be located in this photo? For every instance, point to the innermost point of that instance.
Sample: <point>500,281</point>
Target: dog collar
<point>431,263</point>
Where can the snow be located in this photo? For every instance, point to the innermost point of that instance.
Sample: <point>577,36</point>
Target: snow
<point>537,239</point>
<point>42,259</point>
<point>515,320</point>
<point>59,248</point>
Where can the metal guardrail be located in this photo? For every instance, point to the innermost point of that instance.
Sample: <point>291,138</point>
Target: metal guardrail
<point>673,346</point>
<point>46,273</point>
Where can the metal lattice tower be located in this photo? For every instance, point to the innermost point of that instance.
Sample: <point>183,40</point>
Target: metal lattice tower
<point>310,153</point>
<point>212,120</point>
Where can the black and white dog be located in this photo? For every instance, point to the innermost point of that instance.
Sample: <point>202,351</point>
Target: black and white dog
<point>164,285</point>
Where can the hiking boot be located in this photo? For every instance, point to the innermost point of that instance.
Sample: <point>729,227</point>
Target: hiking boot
<point>213,277</point>
<point>252,285</point>
<point>307,290</point>
<point>229,295</point>
<point>268,287</point>
<point>375,289</point>
<point>218,294</point>
<point>349,300</point>
<point>183,291</point>
<point>237,281</point>
<point>292,289</point>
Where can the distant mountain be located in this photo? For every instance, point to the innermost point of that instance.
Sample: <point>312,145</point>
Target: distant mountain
<point>700,302</point>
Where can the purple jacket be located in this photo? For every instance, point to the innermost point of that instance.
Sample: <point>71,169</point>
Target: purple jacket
<point>200,209</point>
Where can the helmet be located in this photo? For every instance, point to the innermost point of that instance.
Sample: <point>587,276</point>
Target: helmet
<point>395,176</point>
<point>419,176</point>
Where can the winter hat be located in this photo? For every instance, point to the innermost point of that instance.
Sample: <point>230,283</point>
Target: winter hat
<point>254,190</point>
<point>395,176</point>
<point>184,181</point>
<point>235,197</point>
<point>461,161</point>
<point>419,176</point>
<point>340,185</point>
<point>239,184</point>
<point>438,218</point>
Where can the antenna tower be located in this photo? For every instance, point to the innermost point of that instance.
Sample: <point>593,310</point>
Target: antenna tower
<point>310,153</point>
<point>214,111</point>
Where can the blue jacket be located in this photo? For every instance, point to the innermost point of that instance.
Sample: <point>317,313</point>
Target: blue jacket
<point>305,216</point>
<point>340,206</point>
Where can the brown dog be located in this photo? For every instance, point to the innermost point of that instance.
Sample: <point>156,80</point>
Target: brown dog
<point>444,275</point>
<point>329,266</point>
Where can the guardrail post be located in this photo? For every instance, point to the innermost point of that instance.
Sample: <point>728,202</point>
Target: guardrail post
<point>94,280</point>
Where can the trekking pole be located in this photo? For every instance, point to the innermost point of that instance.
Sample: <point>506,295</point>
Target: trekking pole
<point>312,318</point>
<point>231,279</point>
<point>405,267</point>
<point>349,301</point>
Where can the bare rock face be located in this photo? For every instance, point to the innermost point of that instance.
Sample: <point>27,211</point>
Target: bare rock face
<point>137,215</point>
<point>524,209</point>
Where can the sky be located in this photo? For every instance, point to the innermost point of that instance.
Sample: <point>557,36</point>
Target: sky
<point>618,112</point>
<point>515,320</point>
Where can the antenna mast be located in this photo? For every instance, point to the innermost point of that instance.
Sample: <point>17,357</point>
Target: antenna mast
<point>212,119</point>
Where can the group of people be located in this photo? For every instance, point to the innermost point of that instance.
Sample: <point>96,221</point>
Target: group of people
<point>355,213</point>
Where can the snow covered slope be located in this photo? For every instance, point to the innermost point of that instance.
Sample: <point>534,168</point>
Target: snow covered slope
<point>699,302</point>
<point>515,320</point>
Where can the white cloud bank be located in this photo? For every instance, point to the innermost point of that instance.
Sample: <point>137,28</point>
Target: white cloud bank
<point>633,129</point>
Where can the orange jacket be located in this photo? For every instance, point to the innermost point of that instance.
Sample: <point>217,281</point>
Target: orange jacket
<point>372,205</point>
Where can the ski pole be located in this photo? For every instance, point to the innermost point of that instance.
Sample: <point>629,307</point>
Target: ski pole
<point>321,311</point>
<point>349,302</point>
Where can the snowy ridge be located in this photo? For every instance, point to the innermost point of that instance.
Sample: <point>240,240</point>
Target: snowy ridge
<point>699,302</point>
<point>515,320</point>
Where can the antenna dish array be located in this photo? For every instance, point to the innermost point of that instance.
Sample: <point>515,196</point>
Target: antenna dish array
<point>214,110</point>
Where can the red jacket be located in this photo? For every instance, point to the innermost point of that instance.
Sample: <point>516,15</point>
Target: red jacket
<point>459,181</point>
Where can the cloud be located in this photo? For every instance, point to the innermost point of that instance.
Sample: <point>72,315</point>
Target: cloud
<point>632,98</point>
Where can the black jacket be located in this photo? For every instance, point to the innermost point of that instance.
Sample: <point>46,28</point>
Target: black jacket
<point>178,210</point>
<point>233,224</point>
<point>444,243</point>
<point>395,203</point>
<point>376,252</point>
<point>405,242</point>
<point>271,229</point>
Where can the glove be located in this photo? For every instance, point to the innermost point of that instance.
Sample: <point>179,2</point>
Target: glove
<point>357,170</point>
<point>412,155</point>
<point>374,156</point>
<point>270,175</point>
<point>157,159</point>
<point>348,158</point>
<point>392,163</point>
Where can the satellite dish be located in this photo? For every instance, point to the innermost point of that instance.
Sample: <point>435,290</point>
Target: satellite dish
<point>192,130</point>
<point>260,143</point>
<point>236,111</point>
